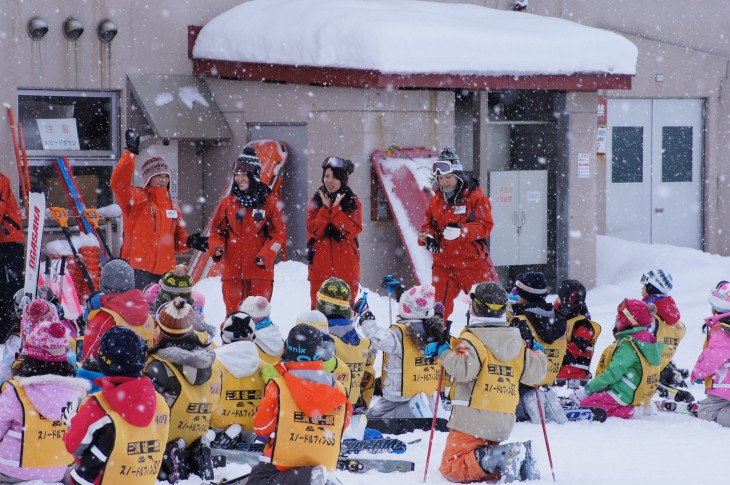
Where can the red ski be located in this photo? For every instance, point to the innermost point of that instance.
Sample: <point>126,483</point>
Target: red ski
<point>273,155</point>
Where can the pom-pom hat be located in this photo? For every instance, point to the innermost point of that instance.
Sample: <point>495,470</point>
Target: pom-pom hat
<point>122,352</point>
<point>154,166</point>
<point>417,303</point>
<point>258,307</point>
<point>720,297</point>
<point>176,319</point>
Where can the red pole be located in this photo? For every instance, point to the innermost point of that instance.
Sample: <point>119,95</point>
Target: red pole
<point>433,422</point>
<point>25,157</point>
<point>544,431</point>
<point>21,177</point>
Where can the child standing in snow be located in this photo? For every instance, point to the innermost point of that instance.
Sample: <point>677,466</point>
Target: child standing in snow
<point>182,370</point>
<point>714,361</point>
<point>247,232</point>
<point>304,412</point>
<point>490,355</point>
<point>32,402</point>
<point>582,332</point>
<point>242,385</point>
<point>119,433</point>
<point>409,380</point>
<point>628,372</point>
<point>538,322</point>
<point>333,299</point>
<point>268,339</point>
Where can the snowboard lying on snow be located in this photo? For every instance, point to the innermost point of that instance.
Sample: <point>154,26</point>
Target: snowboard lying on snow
<point>406,425</point>
<point>351,464</point>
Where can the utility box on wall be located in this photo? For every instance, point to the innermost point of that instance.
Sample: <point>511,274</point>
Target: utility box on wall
<point>519,209</point>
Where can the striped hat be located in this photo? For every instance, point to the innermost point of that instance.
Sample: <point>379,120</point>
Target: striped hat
<point>532,286</point>
<point>659,280</point>
<point>720,297</point>
<point>153,166</point>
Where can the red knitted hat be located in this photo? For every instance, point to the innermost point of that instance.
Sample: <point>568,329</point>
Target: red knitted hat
<point>633,313</point>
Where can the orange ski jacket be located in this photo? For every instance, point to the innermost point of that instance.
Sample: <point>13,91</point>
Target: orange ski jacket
<point>11,223</point>
<point>153,223</point>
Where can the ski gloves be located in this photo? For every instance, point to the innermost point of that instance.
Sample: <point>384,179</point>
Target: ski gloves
<point>432,245</point>
<point>132,140</point>
<point>394,286</point>
<point>69,411</point>
<point>197,242</point>
<point>435,349</point>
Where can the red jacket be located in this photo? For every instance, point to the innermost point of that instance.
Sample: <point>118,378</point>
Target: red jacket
<point>131,305</point>
<point>91,435</point>
<point>666,308</point>
<point>236,230</point>
<point>11,223</point>
<point>332,240</point>
<point>313,398</point>
<point>153,223</point>
<point>473,213</point>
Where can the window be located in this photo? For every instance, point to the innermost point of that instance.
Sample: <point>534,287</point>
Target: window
<point>81,125</point>
<point>627,161</point>
<point>676,154</point>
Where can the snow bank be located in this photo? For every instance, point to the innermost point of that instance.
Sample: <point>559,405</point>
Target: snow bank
<point>409,36</point>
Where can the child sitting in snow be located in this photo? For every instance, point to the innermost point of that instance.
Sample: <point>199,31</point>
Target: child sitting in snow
<point>120,431</point>
<point>268,339</point>
<point>242,385</point>
<point>181,369</point>
<point>331,363</point>
<point>304,412</point>
<point>333,300</point>
<point>714,361</point>
<point>32,402</point>
<point>666,326</point>
<point>628,371</point>
<point>409,380</point>
<point>582,332</point>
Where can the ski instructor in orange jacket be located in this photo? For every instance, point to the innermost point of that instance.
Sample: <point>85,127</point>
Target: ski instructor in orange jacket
<point>247,232</point>
<point>154,229</point>
<point>458,222</point>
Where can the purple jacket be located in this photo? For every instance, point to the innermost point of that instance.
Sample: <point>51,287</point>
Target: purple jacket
<point>49,394</point>
<point>715,358</point>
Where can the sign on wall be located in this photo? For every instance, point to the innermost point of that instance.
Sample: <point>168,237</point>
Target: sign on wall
<point>59,133</point>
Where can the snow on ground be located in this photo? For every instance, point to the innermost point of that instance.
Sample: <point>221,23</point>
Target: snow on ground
<point>662,448</point>
<point>406,36</point>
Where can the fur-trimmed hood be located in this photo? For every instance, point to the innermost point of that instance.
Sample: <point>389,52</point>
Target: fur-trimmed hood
<point>50,393</point>
<point>196,365</point>
<point>239,358</point>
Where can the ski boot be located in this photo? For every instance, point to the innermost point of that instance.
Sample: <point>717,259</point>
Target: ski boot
<point>175,462</point>
<point>507,459</point>
<point>228,439</point>
<point>529,469</point>
<point>199,459</point>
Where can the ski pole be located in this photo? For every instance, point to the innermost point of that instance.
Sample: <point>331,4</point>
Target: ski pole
<point>544,431</point>
<point>24,155</point>
<point>435,408</point>
<point>21,176</point>
<point>60,215</point>
<point>92,215</point>
<point>62,273</point>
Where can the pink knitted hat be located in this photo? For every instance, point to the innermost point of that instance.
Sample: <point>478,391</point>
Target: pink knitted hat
<point>633,313</point>
<point>417,302</point>
<point>47,341</point>
<point>150,292</point>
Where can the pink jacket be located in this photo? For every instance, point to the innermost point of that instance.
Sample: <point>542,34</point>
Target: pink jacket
<point>49,394</point>
<point>715,358</point>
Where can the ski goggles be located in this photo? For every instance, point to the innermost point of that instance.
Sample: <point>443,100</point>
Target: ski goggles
<point>243,167</point>
<point>444,167</point>
<point>335,162</point>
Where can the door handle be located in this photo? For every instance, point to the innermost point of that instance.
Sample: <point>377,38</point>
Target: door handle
<point>658,210</point>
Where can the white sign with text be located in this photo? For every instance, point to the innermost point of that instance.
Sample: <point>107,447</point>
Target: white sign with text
<point>59,134</point>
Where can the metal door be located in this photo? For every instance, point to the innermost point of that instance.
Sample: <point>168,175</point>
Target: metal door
<point>654,160</point>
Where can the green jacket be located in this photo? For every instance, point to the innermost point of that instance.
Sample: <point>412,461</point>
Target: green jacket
<point>625,363</point>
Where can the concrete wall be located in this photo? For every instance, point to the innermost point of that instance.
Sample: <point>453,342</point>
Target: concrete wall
<point>350,123</point>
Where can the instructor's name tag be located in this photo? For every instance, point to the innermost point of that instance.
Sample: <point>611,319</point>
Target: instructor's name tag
<point>171,214</point>
<point>459,209</point>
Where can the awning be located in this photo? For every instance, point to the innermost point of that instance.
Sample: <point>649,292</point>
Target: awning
<point>179,107</point>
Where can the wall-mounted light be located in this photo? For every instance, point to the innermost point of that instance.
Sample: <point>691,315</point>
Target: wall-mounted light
<point>72,29</point>
<point>107,30</point>
<point>37,28</point>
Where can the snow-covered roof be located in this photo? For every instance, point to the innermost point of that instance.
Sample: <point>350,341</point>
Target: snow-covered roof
<point>411,37</point>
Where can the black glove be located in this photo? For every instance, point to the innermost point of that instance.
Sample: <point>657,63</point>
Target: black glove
<point>367,315</point>
<point>684,396</point>
<point>432,245</point>
<point>361,306</point>
<point>132,139</point>
<point>197,242</point>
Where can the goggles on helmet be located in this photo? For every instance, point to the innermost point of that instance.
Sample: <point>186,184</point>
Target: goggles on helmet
<point>335,162</point>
